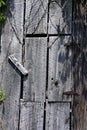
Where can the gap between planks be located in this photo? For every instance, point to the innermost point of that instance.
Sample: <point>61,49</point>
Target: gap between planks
<point>46,35</point>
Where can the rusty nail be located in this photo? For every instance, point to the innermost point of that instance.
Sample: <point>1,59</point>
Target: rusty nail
<point>71,93</point>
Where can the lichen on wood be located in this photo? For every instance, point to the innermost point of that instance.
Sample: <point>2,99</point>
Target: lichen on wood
<point>2,95</point>
<point>2,6</point>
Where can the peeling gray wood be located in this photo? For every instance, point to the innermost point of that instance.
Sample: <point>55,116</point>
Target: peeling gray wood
<point>60,16</point>
<point>31,117</point>
<point>60,68</point>
<point>10,81</point>
<point>35,63</point>
<point>58,116</point>
<point>36,16</point>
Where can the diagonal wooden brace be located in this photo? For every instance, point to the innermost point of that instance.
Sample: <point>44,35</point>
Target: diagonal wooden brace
<point>18,65</point>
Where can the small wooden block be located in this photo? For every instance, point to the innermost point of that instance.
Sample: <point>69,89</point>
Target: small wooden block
<point>18,65</point>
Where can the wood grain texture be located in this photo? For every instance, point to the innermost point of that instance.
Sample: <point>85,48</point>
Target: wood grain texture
<point>60,16</point>
<point>58,117</point>
<point>80,65</point>
<point>60,69</point>
<point>10,80</point>
<point>31,117</point>
<point>36,16</point>
<point>35,63</point>
<point>18,65</point>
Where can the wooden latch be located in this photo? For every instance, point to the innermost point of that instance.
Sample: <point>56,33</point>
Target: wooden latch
<point>71,93</point>
<point>18,65</point>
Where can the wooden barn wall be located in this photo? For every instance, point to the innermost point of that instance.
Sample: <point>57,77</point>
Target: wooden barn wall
<point>10,80</point>
<point>49,39</point>
<point>80,63</point>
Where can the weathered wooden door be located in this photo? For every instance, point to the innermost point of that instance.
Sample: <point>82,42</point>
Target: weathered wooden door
<point>39,33</point>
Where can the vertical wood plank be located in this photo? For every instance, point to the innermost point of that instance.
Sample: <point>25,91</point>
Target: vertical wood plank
<point>31,117</point>
<point>60,16</point>
<point>10,80</point>
<point>60,67</point>
<point>58,116</point>
<point>36,16</point>
<point>80,64</point>
<point>35,63</point>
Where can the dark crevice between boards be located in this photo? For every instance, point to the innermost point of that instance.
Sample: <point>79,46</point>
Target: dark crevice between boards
<point>47,69</point>
<point>36,35</point>
<point>23,52</point>
<point>45,35</point>
<point>23,59</point>
<point>59,102</point>
<point>47,58</point>
<point>70,116</point>
<point>44,119</point>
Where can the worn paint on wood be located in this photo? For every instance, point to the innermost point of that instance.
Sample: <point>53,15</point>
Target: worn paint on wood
<point>58,116</point>
<point>35,63</point>
<point>60,16</point>
<point>10,81</point>
<point>31,117</point>
<point>60,68</point>
<point>36,16</point>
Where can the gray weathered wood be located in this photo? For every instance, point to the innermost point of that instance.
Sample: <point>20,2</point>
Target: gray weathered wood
<point>35,63</point>
<point>36,16</point>
<point>60,68</point>
<point>58,116</point>
<point>60,16</point>
<point>10,81</point>
<point>18,65</point>
<point>31,117</point>
<point>2,121</point>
